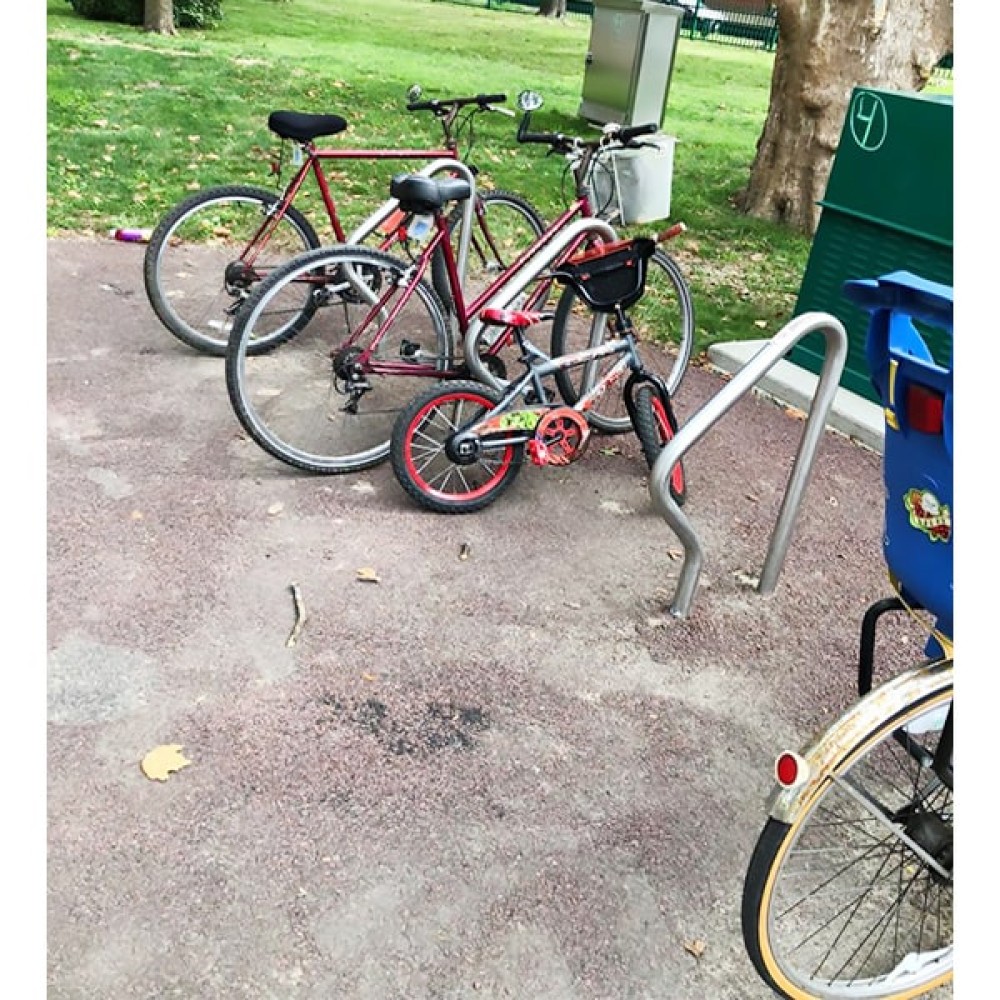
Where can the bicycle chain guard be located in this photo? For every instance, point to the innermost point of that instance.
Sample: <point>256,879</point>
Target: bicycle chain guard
<point>561,437</point>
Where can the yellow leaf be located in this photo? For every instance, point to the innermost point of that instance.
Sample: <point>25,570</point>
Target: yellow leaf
<point>367,575</point>
<point>696,947</point>
<point>760,322</point>
<point>162,760</point>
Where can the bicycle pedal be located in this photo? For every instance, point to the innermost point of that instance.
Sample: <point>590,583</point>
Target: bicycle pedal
<point>538,452</point>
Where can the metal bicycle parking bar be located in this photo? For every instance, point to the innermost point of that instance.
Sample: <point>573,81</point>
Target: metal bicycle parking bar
<point>536,262</point>
<point>712,411</point>
<point>390,205</point>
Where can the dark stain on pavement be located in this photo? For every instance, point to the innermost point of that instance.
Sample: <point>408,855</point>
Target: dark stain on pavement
<point>442,725</point>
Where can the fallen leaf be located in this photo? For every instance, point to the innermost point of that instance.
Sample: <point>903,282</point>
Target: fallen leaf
<point>367,575</point>
<point>369,677</point>
<point>464,550</point>
<point>276,508</point>
<point>137,515</point>
<point>761,323</point>
<point>674,554</point>
<point>794,413</point>
<point>612,450</point>
<point>162,760</point>
<point>696,947</point>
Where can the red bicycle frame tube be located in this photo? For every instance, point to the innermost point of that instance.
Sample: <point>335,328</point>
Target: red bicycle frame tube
<point>314,158</point>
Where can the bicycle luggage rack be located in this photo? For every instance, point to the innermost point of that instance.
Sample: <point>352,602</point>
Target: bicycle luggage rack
<point>712,411</point>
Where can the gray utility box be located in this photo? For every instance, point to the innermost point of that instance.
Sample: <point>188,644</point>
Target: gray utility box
<point>630,61</point>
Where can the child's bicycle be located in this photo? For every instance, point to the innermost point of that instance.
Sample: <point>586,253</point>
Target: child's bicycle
<point>457,447</point>
<point>211,250</point>
<point>849,892</point>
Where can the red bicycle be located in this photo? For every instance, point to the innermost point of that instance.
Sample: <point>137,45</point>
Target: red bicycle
<point>355,325</point>
<point>210,250</point>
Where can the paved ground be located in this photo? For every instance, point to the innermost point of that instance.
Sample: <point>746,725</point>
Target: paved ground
<point>510,775</point>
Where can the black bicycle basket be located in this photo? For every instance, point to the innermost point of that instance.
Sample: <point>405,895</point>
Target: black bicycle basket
<point>610,276</point>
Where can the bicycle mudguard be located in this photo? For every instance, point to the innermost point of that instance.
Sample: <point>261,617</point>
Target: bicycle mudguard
<point>840,738</point>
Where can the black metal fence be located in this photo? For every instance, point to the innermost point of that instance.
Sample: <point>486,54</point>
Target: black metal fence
<point>744,24</point>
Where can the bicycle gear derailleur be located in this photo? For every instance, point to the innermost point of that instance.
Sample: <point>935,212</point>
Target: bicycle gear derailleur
<point>349,376</point>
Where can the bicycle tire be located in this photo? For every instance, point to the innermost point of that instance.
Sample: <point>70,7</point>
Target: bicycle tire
<point>423,468</point>
<point>663,318</point>
<point>655,427</point>
<point>776,915</point>
<point>186,260</point>
<point>286,398</point>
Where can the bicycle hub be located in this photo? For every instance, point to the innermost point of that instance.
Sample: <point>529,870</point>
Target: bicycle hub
<point>462,449</point>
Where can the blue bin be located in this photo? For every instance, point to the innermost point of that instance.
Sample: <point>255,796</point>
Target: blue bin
<point>917,397</point>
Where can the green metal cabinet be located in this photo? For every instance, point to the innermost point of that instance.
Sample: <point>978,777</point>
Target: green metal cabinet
<point>888,207</point>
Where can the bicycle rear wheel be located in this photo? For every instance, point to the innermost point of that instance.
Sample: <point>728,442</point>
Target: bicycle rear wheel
<point>192,268</point>
<point>325,399</point>
<point>852,898</point>
<point>663,321</point>
<point>425,469</point>
<point>655,426</point>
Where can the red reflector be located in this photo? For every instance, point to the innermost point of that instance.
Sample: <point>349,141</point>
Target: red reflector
<point>786,769</point>
<point>924,409</point>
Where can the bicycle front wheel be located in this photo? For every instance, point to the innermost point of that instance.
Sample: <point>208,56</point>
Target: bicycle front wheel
<point>663,320</point>
<point>655,426</point>
<point>853,897</point>
<point>205,257</point>
<point>325,399</point>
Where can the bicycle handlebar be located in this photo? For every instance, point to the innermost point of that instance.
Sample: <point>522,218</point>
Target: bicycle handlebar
<point>443,105</point>
<point>568,143</point>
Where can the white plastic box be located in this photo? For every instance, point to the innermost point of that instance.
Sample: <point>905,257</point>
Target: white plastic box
<point>635,182</point>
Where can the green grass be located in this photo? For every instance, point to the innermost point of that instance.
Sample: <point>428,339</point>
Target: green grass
<point>136,122</point>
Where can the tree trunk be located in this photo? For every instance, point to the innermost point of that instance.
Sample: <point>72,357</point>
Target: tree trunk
<point>158,16</point>
<point>552,8</point>
<point>825,49</point>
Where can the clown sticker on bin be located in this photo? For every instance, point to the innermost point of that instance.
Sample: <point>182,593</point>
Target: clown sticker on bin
<point>928,514</point>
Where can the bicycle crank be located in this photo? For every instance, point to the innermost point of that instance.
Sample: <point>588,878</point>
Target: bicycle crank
<point>560,438</point>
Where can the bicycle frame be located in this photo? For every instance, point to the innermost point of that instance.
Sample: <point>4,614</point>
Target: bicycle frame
<point>497,421</point>
<point>312,164</point>
<point>560,238</point>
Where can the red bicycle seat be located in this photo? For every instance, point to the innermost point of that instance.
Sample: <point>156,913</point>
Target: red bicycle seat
<point>520,318</point>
